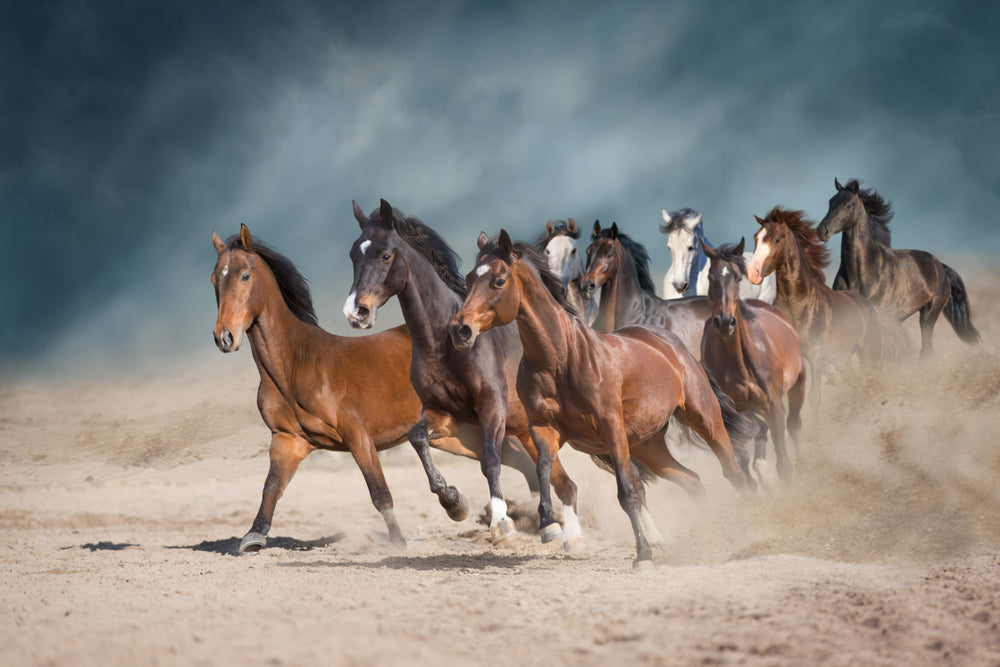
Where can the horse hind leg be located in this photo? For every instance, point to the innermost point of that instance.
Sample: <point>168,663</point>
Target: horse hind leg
<point>286,453</point>
<point>928,318</point>
<point>796,399</point>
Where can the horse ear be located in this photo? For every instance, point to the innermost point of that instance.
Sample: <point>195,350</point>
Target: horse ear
<point>482,240</point>
<point>837,184</point>
<point>742,246</point>
<point>571,226</point>
<point>759,221</point>
<point>245,238</point>
<point>504,244</point>
<point>708,250</point>
<point>695,221</point>
<point>220,247</point>
<point>614,230</point>
<point>385,213</point>
<point>597,228</point>
<point>549,227</point>
<point>359,215</point>
<point>852,187</point>
<point>666,216</point>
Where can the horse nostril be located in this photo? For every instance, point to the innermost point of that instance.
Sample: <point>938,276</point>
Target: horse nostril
<point>362,313</point>
<point>680,287</point>
<point>227,338</point>
<point>465,332</point>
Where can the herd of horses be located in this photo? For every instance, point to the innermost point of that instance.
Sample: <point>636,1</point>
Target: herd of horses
<point>536,348</point>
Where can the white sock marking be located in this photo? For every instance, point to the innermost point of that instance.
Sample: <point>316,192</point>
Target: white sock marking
<point>571,524</point>
<point>498,511</point>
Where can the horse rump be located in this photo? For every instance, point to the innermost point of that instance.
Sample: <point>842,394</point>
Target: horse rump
<point>957,310</point>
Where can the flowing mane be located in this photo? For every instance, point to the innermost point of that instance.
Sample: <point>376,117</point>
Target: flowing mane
<point>678,219</point>
<point>639,256</point>
<point>727,253</point>
<point>292,284</point>
<point>879,211</point>
<point>559,228</point>
<point>817,254</point>
<point>430,245</point>
<point>528,253</point>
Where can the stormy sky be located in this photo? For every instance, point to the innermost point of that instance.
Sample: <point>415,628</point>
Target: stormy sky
<point>130,131</point>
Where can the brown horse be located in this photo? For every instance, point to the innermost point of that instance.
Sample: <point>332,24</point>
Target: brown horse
<point>610,394</point>
<point>832,325</point>
<point>902,282</point>
<point>400,255</point>
<point>619,265</point>
<point>752,351</point>
<point>317,390</point>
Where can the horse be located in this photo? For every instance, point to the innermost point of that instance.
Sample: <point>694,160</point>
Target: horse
<point>752,351</point>
<point>688,272</point>
<point>619,265</point>
<point>901,281</point>
<point>833,326</point>
<point>400,255</point>
<point>318,390</point>
<point>558,245</point>
<point>611,394</point>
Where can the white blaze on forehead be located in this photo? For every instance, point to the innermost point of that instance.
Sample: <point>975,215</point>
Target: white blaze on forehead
<point>225,271</point>
<point>349,305</point>
<point>725,271</point>
<point>364,246</point>
<point>482,270</point>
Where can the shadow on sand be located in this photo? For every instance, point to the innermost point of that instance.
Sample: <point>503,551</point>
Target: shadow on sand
<point>230,545</point>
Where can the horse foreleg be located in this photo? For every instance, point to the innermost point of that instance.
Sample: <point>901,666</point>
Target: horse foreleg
<point>286,453</point>
<point>492,420</point>
<point>796,398</point>
<point>365,455</point>
<point>776,423</point>
<point>451,499</point>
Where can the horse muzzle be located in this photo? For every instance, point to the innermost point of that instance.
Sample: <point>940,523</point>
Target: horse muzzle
<point>358,315</point>
<point>823,232</point>
<point>681,287</point>
<point>462,335</point>
<point>725,324</point>
<point>588,287</point>
<point>226,341</point>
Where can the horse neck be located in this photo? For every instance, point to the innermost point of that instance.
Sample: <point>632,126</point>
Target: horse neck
<point>796,283</point>
<point>621,296</point>
<point>857,247</point>
<point>542,322</point>
<point>731,348</point>
<point>276,336</point>
<point>428,304</point>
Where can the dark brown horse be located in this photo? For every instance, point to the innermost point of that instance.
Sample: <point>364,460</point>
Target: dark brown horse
<point>610,394</point>
<point>832,325</point>
<point>902,282</point>
<point>317,390</point>
<point>619,265</point>
<point>401,256</point>
<point>752,351</point>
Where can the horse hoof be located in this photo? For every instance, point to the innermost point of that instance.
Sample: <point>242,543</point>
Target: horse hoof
<point>399,542</point>
<point>501,531</point>
<point>550,532</point>
<point>252,543</point>
<point>642,566</point>
<point>460,510</point>
<point>575,545</point>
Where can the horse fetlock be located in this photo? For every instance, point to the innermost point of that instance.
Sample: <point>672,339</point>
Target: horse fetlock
<point>455,504</point>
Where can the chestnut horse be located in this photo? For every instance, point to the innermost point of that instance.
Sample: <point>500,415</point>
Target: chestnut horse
<point>401,256</point>
<point>619,265</point>
<point>752,351</point>
<point>902,282</point>
<point>317,390</point>
<point>832,325</point>
<point>610,394</point>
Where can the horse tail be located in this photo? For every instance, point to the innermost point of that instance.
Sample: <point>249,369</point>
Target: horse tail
<point>957,309</point>
<point>740,427</point>
<point>603,461</point>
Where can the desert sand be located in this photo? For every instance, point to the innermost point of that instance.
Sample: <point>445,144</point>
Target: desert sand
<point>123,499</point>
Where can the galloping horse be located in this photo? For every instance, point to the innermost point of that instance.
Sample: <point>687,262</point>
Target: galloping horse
<point>752,351</point>
<point>832,325</point>
<point>902,282</point>
<point>401,256</point>
<point>558,245</point>
<point>317,390</point>
<point>688,272</point>
<point>611,394</point>
<point>619,265</point>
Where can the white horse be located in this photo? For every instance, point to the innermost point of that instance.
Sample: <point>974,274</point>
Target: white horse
<point>558,246</point>
<point>688,272</point>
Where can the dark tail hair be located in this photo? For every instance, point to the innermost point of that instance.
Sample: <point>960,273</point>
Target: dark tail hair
<point>603,461</point>
<point>957,310</point>
<point>740,427</point>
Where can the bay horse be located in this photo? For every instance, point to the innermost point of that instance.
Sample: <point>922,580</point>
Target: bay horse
<point>558,245</point>
<point>688,272</point>
<point>398,255</point>
<point>902,282</point>
<point>752,351</point>
<point>318,390</point>
<point>619,265</point>
<point>610,394</point>
<point>832,325</point>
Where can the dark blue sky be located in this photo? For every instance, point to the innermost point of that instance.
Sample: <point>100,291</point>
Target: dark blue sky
<point>130,131</point>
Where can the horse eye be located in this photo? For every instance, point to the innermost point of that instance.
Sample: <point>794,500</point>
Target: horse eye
<point>246,276</point>
<point>386,256</point>
<point>573,251</point>
<point>691,248</point>
<point>548,252</point>
<point>500,282</point>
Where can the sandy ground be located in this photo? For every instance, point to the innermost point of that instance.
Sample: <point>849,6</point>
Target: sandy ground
<point>122,503</point>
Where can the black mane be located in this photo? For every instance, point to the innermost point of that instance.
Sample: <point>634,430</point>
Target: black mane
<point>293,285</point>
<point>559,228</point>
<point>677,219</point>
<point>430,245</point>
<point>879,211</point>
<point>639,256</point>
